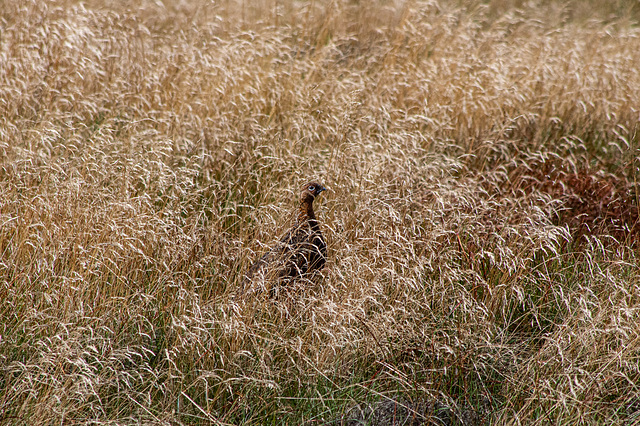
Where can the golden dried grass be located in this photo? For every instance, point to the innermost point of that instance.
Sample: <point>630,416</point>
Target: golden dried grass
<point>148,151</point>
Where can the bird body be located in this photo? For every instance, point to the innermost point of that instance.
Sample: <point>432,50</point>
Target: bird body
<point>300,252</point>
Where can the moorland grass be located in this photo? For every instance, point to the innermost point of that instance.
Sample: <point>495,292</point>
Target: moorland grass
<point>482,223</point>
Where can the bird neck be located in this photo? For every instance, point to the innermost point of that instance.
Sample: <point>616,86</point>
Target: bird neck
<point>306,211</point>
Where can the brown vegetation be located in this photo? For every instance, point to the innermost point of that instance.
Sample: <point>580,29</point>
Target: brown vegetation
<point>593,202</point>
<point>481,229</point>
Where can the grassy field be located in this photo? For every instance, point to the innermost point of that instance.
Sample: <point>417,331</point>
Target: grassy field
<point>482,220</point>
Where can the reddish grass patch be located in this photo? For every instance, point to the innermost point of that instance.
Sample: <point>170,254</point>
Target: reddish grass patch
<point>593,202</point>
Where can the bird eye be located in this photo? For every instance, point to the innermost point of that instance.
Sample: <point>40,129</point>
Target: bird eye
<point>312,188</point>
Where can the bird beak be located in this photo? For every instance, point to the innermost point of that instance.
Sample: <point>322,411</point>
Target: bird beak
<point>322,188</point>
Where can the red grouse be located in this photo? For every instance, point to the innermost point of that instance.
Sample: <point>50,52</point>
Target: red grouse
<point>301,251</point>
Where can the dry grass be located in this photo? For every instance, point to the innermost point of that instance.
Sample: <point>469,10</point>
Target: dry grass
<point>482,224</point>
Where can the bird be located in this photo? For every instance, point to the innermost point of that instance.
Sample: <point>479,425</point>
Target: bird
<point>300,252</point>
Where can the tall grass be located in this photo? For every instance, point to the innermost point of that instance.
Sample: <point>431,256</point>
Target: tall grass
<point>482,223</point>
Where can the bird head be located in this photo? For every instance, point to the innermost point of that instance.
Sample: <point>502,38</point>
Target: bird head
<point>311,190</point>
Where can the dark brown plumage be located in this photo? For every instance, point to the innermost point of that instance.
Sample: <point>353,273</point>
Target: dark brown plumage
<point>301,251</point>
